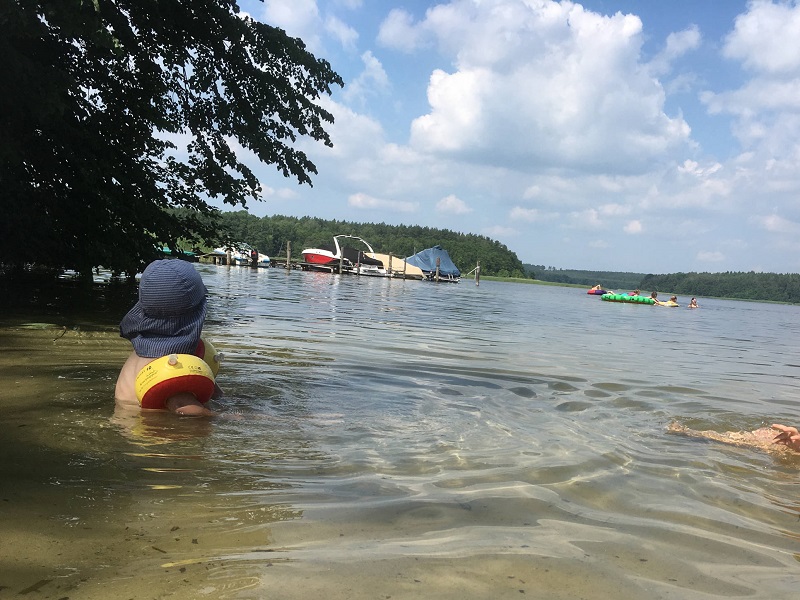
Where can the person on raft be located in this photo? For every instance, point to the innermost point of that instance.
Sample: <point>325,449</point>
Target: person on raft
<point>167,320</point>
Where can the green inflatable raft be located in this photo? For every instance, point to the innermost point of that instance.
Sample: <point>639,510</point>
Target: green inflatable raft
<point>627,298</point>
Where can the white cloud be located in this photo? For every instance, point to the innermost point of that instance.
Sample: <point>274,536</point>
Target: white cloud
<point>714,257</point>
<point>500,231</point>
<point>693,167</point>
<point>399,32</point>
<point>282,194</point>
<point>452,205</point>
<point>777,224</point>
<point>351,4</point>
<point>765,37</point>
<point>363,201</point>
<point>677,45</point>
<point>633,227</point>
<point>519,213</point>
<point>372,80</point>
<point>614,210</point>
<point>299,18</point>
<point>346,35</point>
<point>587,219</point>
<point>538,84</point>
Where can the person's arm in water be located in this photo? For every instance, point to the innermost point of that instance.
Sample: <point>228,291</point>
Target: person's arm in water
<point>185,404</point>
<point>788,436</point>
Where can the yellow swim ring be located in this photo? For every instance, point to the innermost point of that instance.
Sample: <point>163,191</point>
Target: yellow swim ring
<point>208,353</point>
<point>174,374</point>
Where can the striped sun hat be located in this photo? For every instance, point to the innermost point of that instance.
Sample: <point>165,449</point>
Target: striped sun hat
<point>168,318</point>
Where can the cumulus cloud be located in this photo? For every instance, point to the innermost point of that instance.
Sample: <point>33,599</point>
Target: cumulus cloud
<point>765,38</point>
<point>764,41</point>
<point>677,45</point>
<point>281,194</point>
<point>400,32</point>
<point>694,168</point>
<point>371,81</point>
<point>537,84</point>
<point>452,205</point>
<point>299,18</point>
<point>364,201</point>
<point>633,227</point>
<point>346,35</point>
<point>777,224</point>
<point>587,219</point>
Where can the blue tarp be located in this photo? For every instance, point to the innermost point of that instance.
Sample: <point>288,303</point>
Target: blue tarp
<point>426,260</point>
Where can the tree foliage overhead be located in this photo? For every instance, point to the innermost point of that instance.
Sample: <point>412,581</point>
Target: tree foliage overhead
<point>271,234</point>
<point>97,91</point>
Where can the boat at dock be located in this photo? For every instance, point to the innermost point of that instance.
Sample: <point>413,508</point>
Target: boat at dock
<point>362,260</point>
<point>342,258</point>
<point>241,255</point>
<point>436,265</point>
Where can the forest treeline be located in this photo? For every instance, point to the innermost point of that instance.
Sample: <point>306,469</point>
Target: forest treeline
<point>776,287</point>
<point>270,234</point>
<point>609,280</point>
<point>784,287</point>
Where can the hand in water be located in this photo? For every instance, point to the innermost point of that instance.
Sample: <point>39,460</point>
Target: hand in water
<point>788,436</point>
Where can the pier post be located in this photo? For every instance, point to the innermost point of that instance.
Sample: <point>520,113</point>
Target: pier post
<point>478,274</point>
<point>438,263</point>
<point>289,255</point>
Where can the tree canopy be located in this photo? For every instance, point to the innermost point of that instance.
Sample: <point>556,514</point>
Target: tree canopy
<point>97,94</point>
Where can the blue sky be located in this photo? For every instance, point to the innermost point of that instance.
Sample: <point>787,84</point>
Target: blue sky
<point>623,135</point>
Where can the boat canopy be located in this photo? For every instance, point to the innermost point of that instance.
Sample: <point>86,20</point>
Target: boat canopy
<point>426,260</point>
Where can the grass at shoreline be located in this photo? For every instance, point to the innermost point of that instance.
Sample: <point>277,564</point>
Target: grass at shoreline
<point>530,281</point>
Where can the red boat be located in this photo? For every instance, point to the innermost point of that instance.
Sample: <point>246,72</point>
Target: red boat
<point>328,258</point>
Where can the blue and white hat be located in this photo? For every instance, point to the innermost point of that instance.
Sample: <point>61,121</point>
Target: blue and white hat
<point>168,318</point>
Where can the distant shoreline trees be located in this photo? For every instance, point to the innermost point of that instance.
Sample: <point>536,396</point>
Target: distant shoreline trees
<point>769,287</point>
<point>270,235</point>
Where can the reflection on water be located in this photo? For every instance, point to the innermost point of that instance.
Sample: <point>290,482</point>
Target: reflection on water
<point>406,439</point>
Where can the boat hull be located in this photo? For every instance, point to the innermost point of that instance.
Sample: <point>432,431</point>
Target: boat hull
<point>318,256</point>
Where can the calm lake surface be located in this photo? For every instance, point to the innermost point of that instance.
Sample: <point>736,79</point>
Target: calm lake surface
<point>403,439</point>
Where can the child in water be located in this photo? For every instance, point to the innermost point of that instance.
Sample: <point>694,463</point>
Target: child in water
<point>167,319</point>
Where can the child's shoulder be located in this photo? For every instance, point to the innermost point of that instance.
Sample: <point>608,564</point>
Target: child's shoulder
<point>125,390</point>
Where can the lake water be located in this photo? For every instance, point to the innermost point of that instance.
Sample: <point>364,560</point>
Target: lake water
<point>404,439</point>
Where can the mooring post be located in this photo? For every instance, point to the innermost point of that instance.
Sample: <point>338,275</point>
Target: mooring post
<point>289,255</point>
<point>438,262</point>
<point>478,274</point>
<point>389,271</point>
